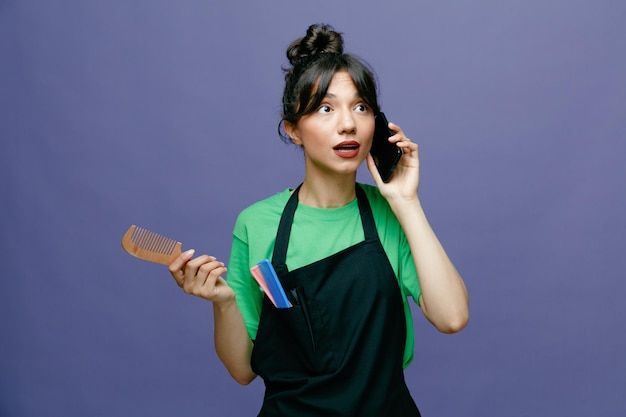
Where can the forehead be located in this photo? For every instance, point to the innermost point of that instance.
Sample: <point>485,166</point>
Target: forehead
<point>341,83</point>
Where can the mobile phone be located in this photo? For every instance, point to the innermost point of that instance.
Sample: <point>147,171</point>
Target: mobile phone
<point>386,154</point>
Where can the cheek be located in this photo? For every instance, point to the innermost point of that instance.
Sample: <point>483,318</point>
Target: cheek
<point>316,134</point>
<point>368,135</point>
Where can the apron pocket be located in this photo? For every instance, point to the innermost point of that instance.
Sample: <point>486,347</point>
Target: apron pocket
<point>292,341</point>
<point>297,295</point>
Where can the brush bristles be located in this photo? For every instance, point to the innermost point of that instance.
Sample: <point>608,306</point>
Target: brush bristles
<point>152,242</point>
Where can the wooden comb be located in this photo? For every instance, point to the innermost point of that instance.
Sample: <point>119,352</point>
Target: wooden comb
<point>150,246</point>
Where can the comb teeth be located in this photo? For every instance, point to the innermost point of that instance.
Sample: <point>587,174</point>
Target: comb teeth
<point>152,242</point>
<point>150,246</point>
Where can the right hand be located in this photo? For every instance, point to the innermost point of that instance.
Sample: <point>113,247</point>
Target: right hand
<point>201,277</point>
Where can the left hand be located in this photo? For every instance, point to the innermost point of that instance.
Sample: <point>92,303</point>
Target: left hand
<point>405,179</point>
<point>202,277</point>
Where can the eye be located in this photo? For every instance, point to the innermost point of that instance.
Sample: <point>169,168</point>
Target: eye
<point>362,108</point>
<point>324,109</point>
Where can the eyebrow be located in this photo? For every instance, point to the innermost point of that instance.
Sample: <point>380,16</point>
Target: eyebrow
<point>330,95</point>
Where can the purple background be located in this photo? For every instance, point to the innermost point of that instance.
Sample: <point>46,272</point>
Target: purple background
<point>164,114</point>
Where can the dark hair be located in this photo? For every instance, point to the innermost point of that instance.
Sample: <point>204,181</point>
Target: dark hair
<point>314,59</point>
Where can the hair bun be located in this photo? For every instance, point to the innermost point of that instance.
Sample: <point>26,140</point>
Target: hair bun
<point>319,39</point>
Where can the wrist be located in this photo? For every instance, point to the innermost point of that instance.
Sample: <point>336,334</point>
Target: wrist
<point>225,305</point>
<point>405,204</point>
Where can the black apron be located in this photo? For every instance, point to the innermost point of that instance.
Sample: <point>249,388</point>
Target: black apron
<point>339,350</point>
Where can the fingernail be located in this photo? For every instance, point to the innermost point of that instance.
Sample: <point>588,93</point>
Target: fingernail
<point>190,252</point>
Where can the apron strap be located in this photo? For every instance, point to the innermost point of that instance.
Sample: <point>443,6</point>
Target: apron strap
<point>279,255</point>
<point>367,218</point>
<point>284,231</point>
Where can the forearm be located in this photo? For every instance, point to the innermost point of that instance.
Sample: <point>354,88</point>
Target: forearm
<point>444,299</point>
<point>232,342</point>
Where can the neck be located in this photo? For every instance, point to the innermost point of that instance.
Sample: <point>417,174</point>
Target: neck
<point>333,192</point>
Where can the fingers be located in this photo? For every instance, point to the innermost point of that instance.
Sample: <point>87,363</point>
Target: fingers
<point>192,274</point>
<point>398,133</point>
<point>400,139</point>
<point>371,166</point>
<point>177,267</point>
<point>201,276</point>
<point>405,180</point>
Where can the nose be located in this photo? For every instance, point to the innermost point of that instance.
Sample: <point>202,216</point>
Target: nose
<point>347,124</point>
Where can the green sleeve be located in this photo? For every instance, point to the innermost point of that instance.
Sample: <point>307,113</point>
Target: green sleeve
<point>396,245</point>
<point>248,294</point>
<point>407,270</point>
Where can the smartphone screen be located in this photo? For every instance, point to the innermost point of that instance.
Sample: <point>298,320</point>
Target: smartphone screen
<point>386,154</point>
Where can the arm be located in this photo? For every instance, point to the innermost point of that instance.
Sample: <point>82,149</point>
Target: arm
<point>444,300</point>
<point>202,277</point>
<point>232,343</point>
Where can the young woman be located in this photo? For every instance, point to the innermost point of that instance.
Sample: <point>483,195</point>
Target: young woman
<point>348,255</point>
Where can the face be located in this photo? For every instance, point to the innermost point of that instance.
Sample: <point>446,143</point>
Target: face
<point>337,136</point>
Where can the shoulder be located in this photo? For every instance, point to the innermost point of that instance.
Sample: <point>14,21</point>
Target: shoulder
<point>268,206</point>
<point>265,212</point>
<point>375,198</point>
<point>370,190</point>
<point>386,221</point>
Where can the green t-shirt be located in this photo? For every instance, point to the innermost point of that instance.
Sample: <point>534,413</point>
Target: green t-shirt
<point>316,234</point>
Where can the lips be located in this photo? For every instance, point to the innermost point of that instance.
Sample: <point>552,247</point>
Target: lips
<point>347,149</point>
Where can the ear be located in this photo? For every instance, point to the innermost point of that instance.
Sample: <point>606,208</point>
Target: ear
<point>292,132</point>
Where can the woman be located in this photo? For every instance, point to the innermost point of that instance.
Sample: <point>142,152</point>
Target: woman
<point>347,254</point>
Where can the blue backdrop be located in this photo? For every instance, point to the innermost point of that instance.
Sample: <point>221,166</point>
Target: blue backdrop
<point>164,114</point>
